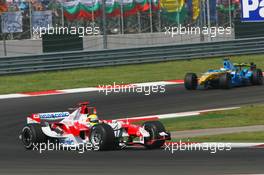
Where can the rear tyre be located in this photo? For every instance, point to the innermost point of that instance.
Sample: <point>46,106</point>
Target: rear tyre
<point>154,128</point>
<point>225,81</point>
<point>102,137</point>
<point>32,136</point>
<point>257,77</point>
<point>191,81</point>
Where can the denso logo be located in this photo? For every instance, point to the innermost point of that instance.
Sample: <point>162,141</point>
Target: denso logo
<point>252,10</point>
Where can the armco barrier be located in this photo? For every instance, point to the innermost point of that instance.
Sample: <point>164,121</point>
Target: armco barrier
<point>110,57</point>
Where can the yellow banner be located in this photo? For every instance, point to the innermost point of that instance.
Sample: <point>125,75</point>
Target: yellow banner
<point>172,5</point>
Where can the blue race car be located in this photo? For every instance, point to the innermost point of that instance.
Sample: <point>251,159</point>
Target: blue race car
<point>231,75</point>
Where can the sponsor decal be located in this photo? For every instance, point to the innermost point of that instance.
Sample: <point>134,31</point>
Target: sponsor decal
<point>252,10</point>
<point>54,115</point>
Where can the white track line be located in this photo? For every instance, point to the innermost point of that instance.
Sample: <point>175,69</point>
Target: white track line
<point>179,114</point>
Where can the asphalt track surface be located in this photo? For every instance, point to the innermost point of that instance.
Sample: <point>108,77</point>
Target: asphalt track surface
<point>14,159</point>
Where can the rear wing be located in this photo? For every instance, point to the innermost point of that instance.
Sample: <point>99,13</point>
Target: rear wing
<point>252,66</point>
<point>234,66</point>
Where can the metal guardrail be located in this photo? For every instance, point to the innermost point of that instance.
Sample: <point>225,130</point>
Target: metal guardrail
<point>110,57</point>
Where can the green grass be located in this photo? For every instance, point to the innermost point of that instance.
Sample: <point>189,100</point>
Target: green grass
<point>236,137</point>
<point>108,75</point>
<point>245,116</point>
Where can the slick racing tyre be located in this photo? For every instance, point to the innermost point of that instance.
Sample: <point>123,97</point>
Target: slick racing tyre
<point>153,128</point>
<point>257,77</point>
<point>32,135</point>
<point>102,137</point>
<point>190,81</point>
<point>225,81</point>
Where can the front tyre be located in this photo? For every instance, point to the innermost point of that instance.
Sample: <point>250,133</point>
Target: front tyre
<point>191,81</point>
<point>32,135</point>
<point>257,77</point>
<point>153,128</point>
<point>102,137</point>
<point>225,81</point>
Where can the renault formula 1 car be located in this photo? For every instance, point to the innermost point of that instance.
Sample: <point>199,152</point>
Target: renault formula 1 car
<point>82,126</point>
<point>231,75</point>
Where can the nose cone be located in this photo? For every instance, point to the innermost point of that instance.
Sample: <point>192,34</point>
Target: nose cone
<point>207,77</point>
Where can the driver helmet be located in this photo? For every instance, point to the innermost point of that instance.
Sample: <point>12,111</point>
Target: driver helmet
<point>92,118</point>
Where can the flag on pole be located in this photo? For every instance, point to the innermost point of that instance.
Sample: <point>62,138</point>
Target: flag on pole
<point>3,7</point>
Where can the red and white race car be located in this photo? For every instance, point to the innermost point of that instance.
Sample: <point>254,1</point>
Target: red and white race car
<point>82,126</point>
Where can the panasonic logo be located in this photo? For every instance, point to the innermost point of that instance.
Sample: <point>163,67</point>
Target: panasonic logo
<point>252,10</point>
<point>54,115</point>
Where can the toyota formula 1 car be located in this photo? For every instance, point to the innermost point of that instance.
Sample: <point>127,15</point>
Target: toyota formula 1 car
<point>82,126</point>
<point>231,75</point>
